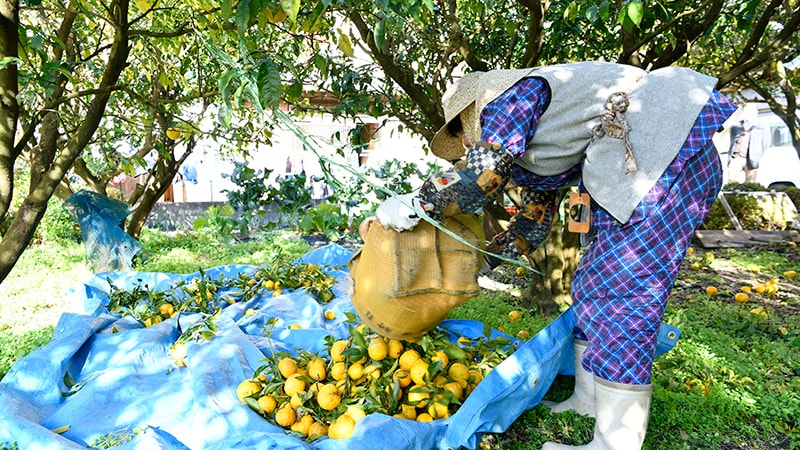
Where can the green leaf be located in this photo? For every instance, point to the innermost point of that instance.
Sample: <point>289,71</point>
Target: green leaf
<point>226,8</point>
<point>344,45</point>
<point>380,33</point>
<point>242,17</point>
<point>636,12</point>
<point>291,8</point>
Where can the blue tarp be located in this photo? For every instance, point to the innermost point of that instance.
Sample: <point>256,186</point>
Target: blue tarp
<point>126,379</point>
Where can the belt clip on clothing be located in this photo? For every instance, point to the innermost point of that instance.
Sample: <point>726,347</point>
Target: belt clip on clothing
<point>579,212</point>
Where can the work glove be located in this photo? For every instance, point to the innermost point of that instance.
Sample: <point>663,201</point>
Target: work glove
<point>400,213</point>
<point>528,229</point>
<point>466,188</point>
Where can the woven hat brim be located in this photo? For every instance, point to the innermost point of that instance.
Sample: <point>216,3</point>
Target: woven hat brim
<point>480,88</point>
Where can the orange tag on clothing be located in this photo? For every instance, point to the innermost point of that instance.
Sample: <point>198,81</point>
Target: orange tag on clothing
<point>579,212</point>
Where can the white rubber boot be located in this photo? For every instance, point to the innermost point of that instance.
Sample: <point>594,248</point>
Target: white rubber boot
<point>622,411</point>
<point>582,399</point>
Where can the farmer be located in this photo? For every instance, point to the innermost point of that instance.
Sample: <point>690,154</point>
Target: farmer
<point>639,144</point>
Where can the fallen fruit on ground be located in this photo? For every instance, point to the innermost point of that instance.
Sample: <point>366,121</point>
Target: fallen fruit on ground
<point>712,290</point>
<point>741,297</point>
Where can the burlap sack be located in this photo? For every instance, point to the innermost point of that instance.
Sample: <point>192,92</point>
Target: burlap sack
<point>405,283</point>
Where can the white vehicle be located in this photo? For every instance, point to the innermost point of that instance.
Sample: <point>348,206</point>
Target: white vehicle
<point>780,165</point>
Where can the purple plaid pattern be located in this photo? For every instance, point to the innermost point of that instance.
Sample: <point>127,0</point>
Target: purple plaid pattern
<point>624,279</point>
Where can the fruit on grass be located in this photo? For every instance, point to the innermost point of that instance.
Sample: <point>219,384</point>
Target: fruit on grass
<point>761,288</point>
<point>741,297</point>
<point>690,250</point>
<point>758,311</point>
<point>790,274</point>
<point>712,290</point>
<point>247,388</point>
<point>513,315</point>
<point>523,334</point>
<point>747,289</point>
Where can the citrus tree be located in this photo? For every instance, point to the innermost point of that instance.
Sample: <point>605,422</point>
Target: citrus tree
<point>414,49</point>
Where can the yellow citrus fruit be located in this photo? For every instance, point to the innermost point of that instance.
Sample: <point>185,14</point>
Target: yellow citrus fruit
<point>268,284</point>
<point>296,400</point>
<point>463,340</point>
<point>341,428</point>
<point>395,348</point>
<point>355,371</point>
<point>285,416</point>
<point>696,266</point>
<point>355,412</point>
<point>747,289</point>
<point>402,377</point>
<point>336,350</point>
<point>475,377</point>
<point>513,315</point>
<point>519,271</point>
<point>709,256</point>
<point>441,356</point>
<point>408,411</point>
<point>267,403</point>
<point>316,369</point>
<point>759,312</point>
<point>771,289</point>
<point>247,388</point>
<point>363,329</point>
<point>408,358</point>
<point>455,388</point>
<point>419,372</point>
<point>760,288</point>
<point>418,396</point>
<point>302,425</point>
<point>167,309</point>
<point>328,397</point>
<point>330,315</point>
<point>458,371</point>
<point>690,250</point>
<point>790,274</point>
<point>174,133</point>
<point>317,429</point>
<point>741,297</point>
<point>294,384</point>
<point>425,417</point>
<point>378,349</point>
<point>523,334</point>
<point>339,371</point>
<point>712,290</point>
<point>287,367</point>
<point>438,410</point>
<point>250,312</point>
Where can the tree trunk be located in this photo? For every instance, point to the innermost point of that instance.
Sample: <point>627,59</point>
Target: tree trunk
<point>9,107</point>
<point>21,229</point>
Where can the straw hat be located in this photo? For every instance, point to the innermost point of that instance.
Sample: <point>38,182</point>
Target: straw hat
<point>475,88</point>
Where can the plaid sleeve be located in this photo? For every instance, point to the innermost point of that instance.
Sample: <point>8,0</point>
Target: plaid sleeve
<point>511,119</point>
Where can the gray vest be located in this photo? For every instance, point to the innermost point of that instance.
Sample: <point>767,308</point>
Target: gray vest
<point>664,105</point>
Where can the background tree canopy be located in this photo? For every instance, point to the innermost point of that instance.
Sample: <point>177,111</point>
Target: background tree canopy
<point>77,77</point>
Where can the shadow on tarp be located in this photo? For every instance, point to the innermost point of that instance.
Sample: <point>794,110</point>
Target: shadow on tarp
<point>126,378</point>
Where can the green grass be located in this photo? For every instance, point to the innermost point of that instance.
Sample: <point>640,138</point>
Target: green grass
<point>731,382</point>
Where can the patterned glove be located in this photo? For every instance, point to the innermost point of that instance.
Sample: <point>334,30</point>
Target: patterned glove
<point>528,229</point>
<point>466,189</point>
